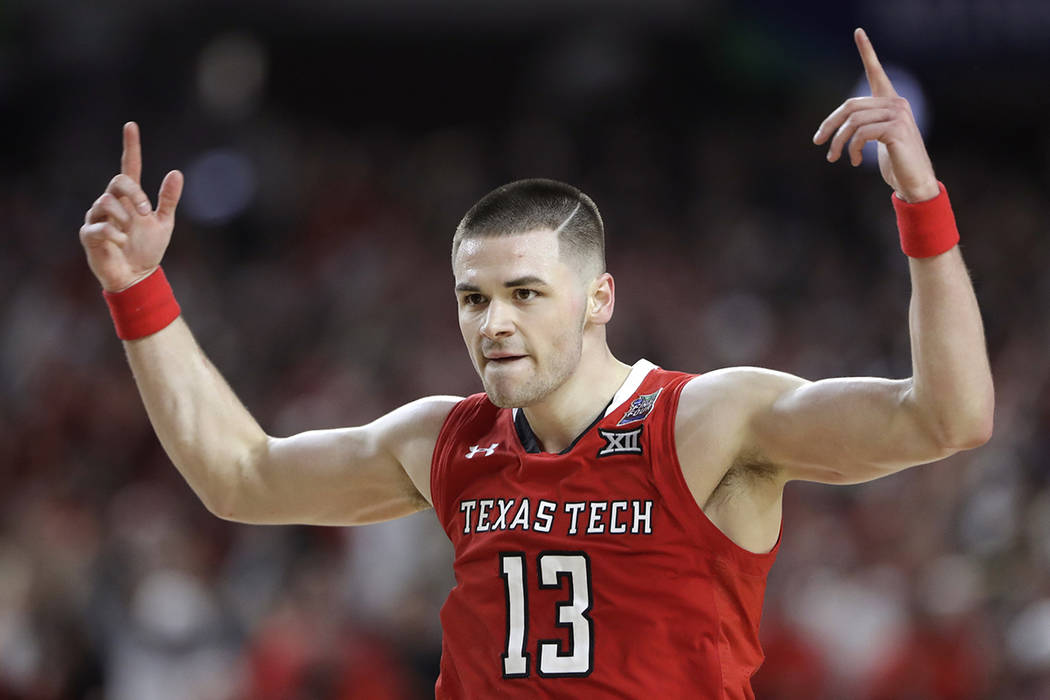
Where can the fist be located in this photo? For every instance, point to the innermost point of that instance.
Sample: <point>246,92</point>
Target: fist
<point>123,237</point>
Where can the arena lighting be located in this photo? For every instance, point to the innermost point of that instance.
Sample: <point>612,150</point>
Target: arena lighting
<point>908,87</point>
<point>220,184</point>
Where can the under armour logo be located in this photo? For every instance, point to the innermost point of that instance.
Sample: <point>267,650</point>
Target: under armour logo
<point>621,442</point>
<point>487,450</point>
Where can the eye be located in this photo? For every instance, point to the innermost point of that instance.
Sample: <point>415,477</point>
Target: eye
<point>525,294</point>
<point>473,299</point>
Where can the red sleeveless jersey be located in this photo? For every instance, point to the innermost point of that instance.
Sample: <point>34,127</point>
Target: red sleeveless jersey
<point>591,573</point>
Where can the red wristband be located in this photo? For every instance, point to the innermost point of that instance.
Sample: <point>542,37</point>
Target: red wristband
<point>143,308</point>
<point>926,228</point>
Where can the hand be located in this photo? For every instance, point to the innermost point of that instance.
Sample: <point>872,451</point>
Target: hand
<point>884,117</point>
<point>123,237</point>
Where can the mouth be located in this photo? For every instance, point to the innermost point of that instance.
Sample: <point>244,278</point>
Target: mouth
<point>504,359</point>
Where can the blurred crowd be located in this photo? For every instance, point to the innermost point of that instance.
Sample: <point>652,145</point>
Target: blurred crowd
<point>312,262</point>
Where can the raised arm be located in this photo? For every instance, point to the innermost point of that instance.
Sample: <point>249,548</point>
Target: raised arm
<point>336,477</point>
<point>347,476</point>
<point>844,430</point>
<point>856,429</point>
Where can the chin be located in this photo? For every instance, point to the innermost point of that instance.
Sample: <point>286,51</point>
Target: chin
<point>514,397</point>
<point>502,398</point>
<point>502,401</point>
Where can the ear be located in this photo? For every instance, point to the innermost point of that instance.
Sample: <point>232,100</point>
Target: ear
<point>601,299</point>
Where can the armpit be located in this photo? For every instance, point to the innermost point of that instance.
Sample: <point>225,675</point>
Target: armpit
<point>748,470</point>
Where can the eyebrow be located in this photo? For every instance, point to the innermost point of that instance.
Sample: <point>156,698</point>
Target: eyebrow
<point>526,281</point>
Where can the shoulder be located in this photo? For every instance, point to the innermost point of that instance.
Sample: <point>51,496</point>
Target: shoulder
<point>411,431</point>
<point>738,489</point>
<point>718,409</point>
<point>735,389</point>
<point>422,416</point>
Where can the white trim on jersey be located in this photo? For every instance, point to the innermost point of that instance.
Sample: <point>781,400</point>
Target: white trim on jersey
<point>630,385</point>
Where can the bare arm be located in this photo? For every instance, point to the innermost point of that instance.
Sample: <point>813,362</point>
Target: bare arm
<point>844,430</point>
<point>850,430</point>
<point>856,429</point>
<point>348,476</point>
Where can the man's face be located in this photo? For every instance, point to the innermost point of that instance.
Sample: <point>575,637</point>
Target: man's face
<point>521,312</point>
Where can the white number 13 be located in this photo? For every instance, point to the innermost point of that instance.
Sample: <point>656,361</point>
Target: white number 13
<point>555,660</point>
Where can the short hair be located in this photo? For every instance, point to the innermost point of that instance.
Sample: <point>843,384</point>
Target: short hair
<point>538,204</point>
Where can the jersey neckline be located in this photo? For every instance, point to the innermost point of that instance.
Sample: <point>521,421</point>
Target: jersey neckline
<point>531,444</point>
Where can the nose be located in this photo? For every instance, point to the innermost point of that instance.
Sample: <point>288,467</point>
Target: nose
<point>498,322</point>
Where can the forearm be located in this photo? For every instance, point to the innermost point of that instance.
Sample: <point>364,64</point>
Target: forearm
<point>206,431</point>
<point>951,379</point>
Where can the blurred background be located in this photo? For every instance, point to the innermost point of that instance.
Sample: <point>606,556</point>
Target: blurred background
<point>330,148</point>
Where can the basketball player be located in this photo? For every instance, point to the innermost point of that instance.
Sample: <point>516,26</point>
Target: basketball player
<point>613,524</point>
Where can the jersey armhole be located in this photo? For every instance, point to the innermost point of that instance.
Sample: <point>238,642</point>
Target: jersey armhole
<point>670,480</point>
<point>442,449</point>
<point>438,459</point>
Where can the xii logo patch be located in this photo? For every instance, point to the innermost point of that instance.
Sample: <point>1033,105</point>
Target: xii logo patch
<point>621,442</point>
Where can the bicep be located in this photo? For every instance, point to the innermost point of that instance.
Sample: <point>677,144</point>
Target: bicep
<point>844,430</point>
<point>346,476</point>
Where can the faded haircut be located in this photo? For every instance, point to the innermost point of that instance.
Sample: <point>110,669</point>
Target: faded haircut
<point>539,204</point>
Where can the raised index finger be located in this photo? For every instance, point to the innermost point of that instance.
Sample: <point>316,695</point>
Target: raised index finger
<point>131,158</point>
<point>877,79</point>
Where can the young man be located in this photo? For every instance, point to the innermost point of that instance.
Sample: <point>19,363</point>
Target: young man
<point>613,525</point>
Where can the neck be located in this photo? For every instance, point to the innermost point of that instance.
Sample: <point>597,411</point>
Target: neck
<point>560,417</point>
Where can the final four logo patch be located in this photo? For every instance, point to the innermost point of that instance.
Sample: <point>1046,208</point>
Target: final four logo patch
<point>640,408</point>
